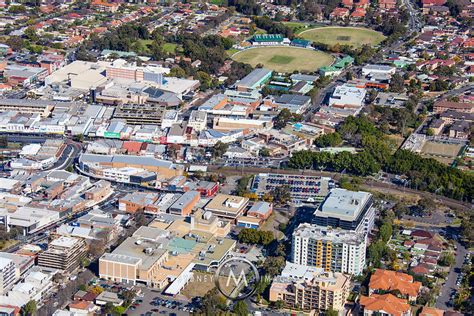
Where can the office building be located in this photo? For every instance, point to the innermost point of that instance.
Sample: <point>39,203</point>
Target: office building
<point>64,253</point>
<point>305,288</point>
<point>185,204</point>
<point>334,250</point>
<point>347,210</point>
<point>227,206</point>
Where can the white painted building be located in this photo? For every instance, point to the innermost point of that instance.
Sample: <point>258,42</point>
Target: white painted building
<point>334,250</point>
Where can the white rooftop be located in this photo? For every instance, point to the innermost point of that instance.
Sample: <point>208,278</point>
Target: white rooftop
<point>344,204</point>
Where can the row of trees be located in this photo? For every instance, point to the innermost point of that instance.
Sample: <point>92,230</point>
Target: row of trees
<point>425,174</point>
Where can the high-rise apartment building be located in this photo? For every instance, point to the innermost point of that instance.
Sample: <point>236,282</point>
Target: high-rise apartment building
<point>334,250</point>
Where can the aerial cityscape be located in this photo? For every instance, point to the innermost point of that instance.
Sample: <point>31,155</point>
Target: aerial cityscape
<point>236,157</point>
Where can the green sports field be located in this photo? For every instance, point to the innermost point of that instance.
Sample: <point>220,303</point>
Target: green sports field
<point>284,59</point>
<point>352,36</point>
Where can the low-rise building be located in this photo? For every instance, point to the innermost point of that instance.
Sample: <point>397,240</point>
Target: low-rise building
<point>185,204</point>
<point>133,202</point>
<point>383,281</point>
<point>227,206</point>
<point>386,304</point>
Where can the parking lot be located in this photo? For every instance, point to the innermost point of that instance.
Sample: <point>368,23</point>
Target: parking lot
<point>152,302</point>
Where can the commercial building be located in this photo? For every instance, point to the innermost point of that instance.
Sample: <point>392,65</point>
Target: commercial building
<point>94,164</point>
<point>185,204</point>
<point>383,281</point>
<point>346,209</point>
<point>36,286</point>
<point>227,124</point>
<point>333,250</point>
<point>371,69</point>
<point>133,202</point>
<point>254,80</point>
<point>42,107</point>
<point>205,221</point>
<point>7,275</point>
<point>197,120</point>
<point>304,288</point>
<point>295,103</point>
<point>346,95</point>
<point>227,206</point>
<point>63,253</point>
<point>138,258</point>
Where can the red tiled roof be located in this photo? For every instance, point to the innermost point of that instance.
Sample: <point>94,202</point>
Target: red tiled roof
<point>390,280</point>
<point>133,147</point>
<point>388,303</point>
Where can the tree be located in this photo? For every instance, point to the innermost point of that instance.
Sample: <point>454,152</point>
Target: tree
<point>278,304</point>
<point>430,132</point>
<point>212,302</point>
<point>332,312</point>
<point>264,152</point>
<point>328,140</point>
<point>386,232</point>
<point>30,33</point>
<point>397,83</point>
<point>109,308</point>
<point>29,309</point>
<point>446,260</point>
<point>282,119</point>
<point>240,308</point>
<point>281,194</point>
<point>274,265</point>
<point>219,149</point>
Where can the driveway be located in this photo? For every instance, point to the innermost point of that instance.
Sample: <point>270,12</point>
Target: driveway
<point>450,284</point>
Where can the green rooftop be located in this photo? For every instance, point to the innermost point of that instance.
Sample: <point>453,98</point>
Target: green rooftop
<point>181,245</point>
<point>267,38</point>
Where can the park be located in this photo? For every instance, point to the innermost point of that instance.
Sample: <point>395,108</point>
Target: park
<point>284,58</point>
<point>352,36</point>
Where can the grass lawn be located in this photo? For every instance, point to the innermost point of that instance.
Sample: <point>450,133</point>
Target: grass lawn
<point>284,59</point>
<point>280,59</point>
<point>352,36</point>
<point>167,47</point>
<point>5,244</point>
<point>231,51</point>
<point>199,285</point>
<point>170,48</point>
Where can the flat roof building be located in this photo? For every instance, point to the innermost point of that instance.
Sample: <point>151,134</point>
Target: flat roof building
<point>227,206</point>
<point>63,253</point>
<point>346,209</point>
<point>185,204</point>
<point>255,79</point>
<point>334,250</point>
<point>303,288</point>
